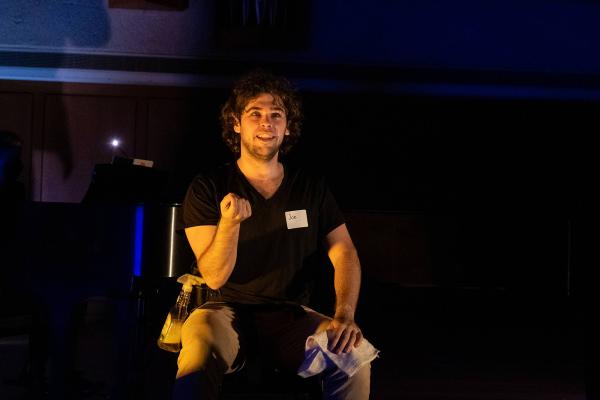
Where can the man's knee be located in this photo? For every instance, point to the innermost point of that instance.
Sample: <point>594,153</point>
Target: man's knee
<point>338,385</point>
<point>194,356</point>
<point>207,338</point>
<point>362,377</point>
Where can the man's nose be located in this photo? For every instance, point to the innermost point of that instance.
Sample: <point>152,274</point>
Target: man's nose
<point>266,120</point>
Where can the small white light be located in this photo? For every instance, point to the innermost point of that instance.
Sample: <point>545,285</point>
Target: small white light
<point>115,142</point>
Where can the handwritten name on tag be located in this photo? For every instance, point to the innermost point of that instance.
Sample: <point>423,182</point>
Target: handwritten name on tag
<point>296,219</point>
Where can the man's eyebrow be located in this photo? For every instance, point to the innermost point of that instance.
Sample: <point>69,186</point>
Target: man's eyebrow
<point>275,108</point>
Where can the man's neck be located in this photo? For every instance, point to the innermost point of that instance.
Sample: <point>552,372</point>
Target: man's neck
<point>260,169</point>
<point>264,175</point>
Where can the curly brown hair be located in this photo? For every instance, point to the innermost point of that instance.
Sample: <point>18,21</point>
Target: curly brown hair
<point>250,87</point>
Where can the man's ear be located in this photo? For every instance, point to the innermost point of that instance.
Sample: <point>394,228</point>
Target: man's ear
<point>236,125</point>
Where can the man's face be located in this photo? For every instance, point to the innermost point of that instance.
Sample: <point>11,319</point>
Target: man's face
<point>262,126</point>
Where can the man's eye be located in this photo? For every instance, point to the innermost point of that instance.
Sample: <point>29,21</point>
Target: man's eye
<point>255,114</point>
<point>277,115</point>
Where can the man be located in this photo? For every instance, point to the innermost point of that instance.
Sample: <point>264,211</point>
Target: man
<point>252,225</point>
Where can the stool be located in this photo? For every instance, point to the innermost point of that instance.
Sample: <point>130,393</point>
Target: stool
<point>259,381</point>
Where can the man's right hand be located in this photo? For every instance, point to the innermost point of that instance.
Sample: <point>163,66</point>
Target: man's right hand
<point>235,209</point>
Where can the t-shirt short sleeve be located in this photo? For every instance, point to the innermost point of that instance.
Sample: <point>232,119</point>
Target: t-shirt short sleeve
<point>201,203</point>
<point>330,214</point>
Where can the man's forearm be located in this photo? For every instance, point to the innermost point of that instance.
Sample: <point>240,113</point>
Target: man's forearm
<point>217,262</point>
<point>347,277</point>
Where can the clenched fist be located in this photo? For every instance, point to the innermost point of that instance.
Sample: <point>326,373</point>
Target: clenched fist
<point>235,209</point>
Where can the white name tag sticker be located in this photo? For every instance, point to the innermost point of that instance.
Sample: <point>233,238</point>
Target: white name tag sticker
<point>296,219</point>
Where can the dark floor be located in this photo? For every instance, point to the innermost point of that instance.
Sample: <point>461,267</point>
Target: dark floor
<point>433,346</point>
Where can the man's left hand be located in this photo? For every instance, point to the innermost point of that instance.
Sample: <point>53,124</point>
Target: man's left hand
<point>343,335</point>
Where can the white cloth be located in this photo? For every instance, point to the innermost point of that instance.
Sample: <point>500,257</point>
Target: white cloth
<point>317,357</point>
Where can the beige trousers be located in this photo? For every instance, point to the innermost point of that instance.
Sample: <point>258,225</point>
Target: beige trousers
<point>217,338</point>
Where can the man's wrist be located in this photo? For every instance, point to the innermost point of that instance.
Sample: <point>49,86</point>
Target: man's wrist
<point>344,312</point>
<point>228,223</point>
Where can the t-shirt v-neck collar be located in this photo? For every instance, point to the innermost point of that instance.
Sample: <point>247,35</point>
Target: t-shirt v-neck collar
<point>255,191</point>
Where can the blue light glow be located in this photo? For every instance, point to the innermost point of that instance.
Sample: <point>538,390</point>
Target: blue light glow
<point>138,240</point>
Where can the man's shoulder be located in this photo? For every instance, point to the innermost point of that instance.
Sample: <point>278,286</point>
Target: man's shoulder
<point>305,174</point>
<point>215,175</point>
<point>304,170</point>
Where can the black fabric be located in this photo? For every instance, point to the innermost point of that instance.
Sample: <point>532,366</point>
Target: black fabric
<point>273,262</point>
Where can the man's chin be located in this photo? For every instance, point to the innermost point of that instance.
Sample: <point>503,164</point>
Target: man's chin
<point>265,156</point>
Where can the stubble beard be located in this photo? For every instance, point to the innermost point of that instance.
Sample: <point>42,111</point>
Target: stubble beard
<point>260,154</point>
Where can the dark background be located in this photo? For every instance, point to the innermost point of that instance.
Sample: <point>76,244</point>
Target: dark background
<point>458,139</point>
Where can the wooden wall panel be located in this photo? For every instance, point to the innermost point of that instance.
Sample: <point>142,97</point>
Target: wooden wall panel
<point>65,128</point>
<point>15,116</point>
<point>168,122</point>
<point>183,137</point>
<point>76,135</point>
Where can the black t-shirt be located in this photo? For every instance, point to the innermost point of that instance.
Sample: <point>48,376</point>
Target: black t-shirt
<point>277,241</point>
